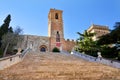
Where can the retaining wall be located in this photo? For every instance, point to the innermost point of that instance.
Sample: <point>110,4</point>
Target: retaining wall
<point>11,60</point>
<point>112,63</point>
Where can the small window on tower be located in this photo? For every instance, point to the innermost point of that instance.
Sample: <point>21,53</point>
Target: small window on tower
<point>56,16</point>
<point>57,37</point>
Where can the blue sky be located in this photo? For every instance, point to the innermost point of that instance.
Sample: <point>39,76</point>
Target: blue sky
<point>78,15</point>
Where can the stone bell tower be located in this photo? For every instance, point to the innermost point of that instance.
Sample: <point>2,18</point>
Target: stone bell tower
<point>55,28</point>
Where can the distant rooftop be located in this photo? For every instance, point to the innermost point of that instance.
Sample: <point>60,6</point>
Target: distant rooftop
<point>94,26</point>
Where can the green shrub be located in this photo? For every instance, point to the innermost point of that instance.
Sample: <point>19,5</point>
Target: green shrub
<point>55,49</point>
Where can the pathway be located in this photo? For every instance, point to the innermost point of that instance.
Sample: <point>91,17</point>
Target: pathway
<point>54,66</point>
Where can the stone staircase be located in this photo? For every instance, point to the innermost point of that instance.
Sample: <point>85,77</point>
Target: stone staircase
<point>57,66</point>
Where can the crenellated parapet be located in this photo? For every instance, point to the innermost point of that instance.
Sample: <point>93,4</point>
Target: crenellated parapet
<point>69,44</point>
<point>70,40</point>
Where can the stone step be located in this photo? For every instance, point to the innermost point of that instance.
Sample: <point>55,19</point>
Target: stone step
<point>57,66</point>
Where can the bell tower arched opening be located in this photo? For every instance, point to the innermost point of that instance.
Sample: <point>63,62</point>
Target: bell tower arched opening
<point>56,16</point>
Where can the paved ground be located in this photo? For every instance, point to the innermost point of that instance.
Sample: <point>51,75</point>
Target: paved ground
<point>49,66</point>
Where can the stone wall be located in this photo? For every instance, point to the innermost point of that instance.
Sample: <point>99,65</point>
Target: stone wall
<point>69,45</point>
<point>66,45</point>
<point>6,62</point>
<point>35,42</point>
<point>9,61</point>
<point>112,63</point>
<point>53,43</point>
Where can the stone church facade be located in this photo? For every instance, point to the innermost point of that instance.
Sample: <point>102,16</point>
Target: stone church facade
<point>55,36</point>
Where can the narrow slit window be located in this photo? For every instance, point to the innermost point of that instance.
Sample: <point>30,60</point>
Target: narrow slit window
<point>57,37</point>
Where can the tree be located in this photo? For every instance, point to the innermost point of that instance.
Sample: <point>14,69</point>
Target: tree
<point>10,30</point>
<point>112,37</point>
<point>9,40</point>
<point>115,33</point>
<point>18,30</point>
<point>85,35</point>
<point>105,39</point>
<point>4,28</point>
<point>85,42</point>
<point>117,25</point>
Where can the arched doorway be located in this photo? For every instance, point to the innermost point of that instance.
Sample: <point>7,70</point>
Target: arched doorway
<point>43,48</point>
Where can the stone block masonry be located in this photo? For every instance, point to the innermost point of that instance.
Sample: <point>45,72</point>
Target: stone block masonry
<point>11,60</point>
